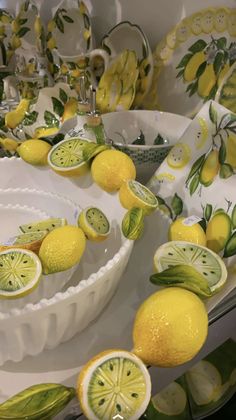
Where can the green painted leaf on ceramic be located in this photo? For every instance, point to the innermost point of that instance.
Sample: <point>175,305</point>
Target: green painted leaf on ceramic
<point>196,167</point>
<point>68,19</point>
<point>63,95</point>
<point>159,140</point>
<point>221,43</point>
<point>184,61</point>
<point>222,152</point>
<point>201,69</point>
<point>49,55</point>
<point>208,212</point>
<point>226,171</point>
<point>180,74</point>
<point>218,62</point>
<point>22,21</point>
<point>50,119</point>
<point>59,23</point>
<point>38,402</point>
<point>233,217</point>
<point>212,113</point>
<point>177,205</point>
<point>22,31</point>
<point>198,46</point>
<point>30,118</point>
<point>230,247</point>
<point>194,183</point>
<point>193,88</point>
<point>140,140</point>
<point>86,21</point>
<point>133,223</point>
<point>58,107</point>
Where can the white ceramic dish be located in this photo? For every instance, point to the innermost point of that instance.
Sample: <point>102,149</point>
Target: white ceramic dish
<point>50,321</point>
<point>190,59</point>
<point>125,127</point>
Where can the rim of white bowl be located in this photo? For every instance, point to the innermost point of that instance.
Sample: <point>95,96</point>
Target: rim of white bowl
<point>60,296</point>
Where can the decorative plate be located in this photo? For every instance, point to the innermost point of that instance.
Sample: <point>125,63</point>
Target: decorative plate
<point>5,35</point>
<point>69,33</point>
<point>198,179</point>
<point>128,36</point>
<point>191,61</point>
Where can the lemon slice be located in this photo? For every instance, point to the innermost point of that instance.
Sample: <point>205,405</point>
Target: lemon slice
<point>134,194</point>
<point>31,241</point>
<point>48,224</point>
<point>171,400</point>
<point>179,156</point>
<point>191,266</point>
<point>115,384</point>
<point>94,224</point>
<point>203,381</point>
<point>133,223</point>
<point>20,272</point>
<point>66,158</point>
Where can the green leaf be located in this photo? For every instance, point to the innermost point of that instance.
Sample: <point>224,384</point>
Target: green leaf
<point>194,183</point>
<point>22,21</point>
<point>93,149</point>
<point>177,205</point>
<point>221,43</point>
<point>184,61</point>
<point>86,21</point>
<point>58,107</point>
<point>41,401</point>
<point>189,87</point>
<point>133,223</point>
<point>203,224</point>
<point>71,65</point>
<point>50,119</point>
<point>230,247</point>
<point>193,89</point>
<point>233,217</point>
<point>140,140</point>
<point>212,94</point>
<point>158,140</point>
<point>63,95</point>
<point>49,55</point>
<point>26,5</point>
<point>226,171</point>
<point>22,31</point>
<point>88,43</point>
<point>30,118</point>
<point>218,62</point>
<point>180,74</point>
<point>228,120</point>
<point>213,113</point>
<point>68,19</point>
<point>196,166</point>
<point>198,46</point>
<point>208,212</point>
<point>59,23</point>
<point>201,69</point>
<point>222,152</point>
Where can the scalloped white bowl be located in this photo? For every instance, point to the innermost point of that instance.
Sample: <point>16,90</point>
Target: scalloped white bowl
<point>44,324</point>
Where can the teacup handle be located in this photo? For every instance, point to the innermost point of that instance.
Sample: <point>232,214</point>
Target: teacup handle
<point>102,53</point>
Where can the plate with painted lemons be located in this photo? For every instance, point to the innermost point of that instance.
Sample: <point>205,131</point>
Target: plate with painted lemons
<point>196,183</point>
<point>191,61</point>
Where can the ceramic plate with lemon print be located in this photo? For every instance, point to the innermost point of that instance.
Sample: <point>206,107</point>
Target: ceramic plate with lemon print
<point>191,61</point>
<point>198,179</point>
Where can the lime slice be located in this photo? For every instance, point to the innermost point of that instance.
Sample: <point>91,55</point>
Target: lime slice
<point>203,381</point>
<point>66,158</point>
<point>191,266</point>
<point>114,384</point>
<point>20,272</point>
<point>134,194</point>
<point>171,400</point>
<point>94,223</point>
<point>179,156</point>
<point>133,223</point>
<point>31,241</point>
<point>42,225</point>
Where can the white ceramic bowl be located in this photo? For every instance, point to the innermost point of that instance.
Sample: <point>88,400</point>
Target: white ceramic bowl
<point>45,324</point>
<point>126,126</point>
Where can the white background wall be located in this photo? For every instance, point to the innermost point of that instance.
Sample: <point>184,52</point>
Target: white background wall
<point>156,17</point>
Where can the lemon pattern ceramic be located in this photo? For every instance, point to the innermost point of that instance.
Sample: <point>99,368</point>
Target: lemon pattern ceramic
<point>192,61</point>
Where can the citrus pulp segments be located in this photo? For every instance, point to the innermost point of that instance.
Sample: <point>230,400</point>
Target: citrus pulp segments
<point>204,381</point>
<point>48,224</point>
<point>30,241</point>
<point>110,374</point>
<point>133,194</point>
<point>66,158</point>
<point>171,400</point>
<point>94,223</point>
<point>20,272</point>
<point>205,261</point>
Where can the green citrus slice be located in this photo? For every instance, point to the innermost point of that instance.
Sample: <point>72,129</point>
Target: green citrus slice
<point>133,223</point>
<point>48,224</point>
<point>66,158</point>
<point>179,156</point>
<point>94,224</point>
<point>203,381</point>
<point>134,194</point>
<point>171,400</point>
<point>188,265</point>
<point>114,383</point>
<point>31,241</point>
<point>20,272</point>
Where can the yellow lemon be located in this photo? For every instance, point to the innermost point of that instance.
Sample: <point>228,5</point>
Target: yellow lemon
<point>210,168</point>
<point>15,26</point>
<point>179,231</point>
<point>133,194</point>
<point>9,144</point>
<point>170,327</point>
<point>206,81</point>
<point>190,71</point>
<point>70,109</point>
<point>34,151</point>
<point>15,42</point>
<point>94,224</point>
<point>51,44</point>
<point>62,248</point>
<point>51,25</point>
<point>218,231</point>
<point>179,156</point>
<point>111,168</point>
<point>38,25</point>
<point>14,118</point>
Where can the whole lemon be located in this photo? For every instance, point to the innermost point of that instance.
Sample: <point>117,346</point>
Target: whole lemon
<point>179,231</point>
<point>62,249</point>
<point>170,327</point>
<point>34,151</point>
<point>111,168</point>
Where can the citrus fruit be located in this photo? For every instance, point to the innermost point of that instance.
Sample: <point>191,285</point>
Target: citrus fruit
<point>20,272</point>
<point>179,156</point>
<point>218,231</point>
<point>133,223</point>
<point>115,382</point>
<point>66,158</point>
<point>62,249</point>
<point>14,118</point>
<point>70,109</point>
<point>94,224</point>
<point>34,151</point>
<point>170,327</point>
<point>134,194</point>
<point>31,241</point>
<point>210,168</point>
<point>41,132</point>
<point>48,224</point>
<point>171,400</point>
<point>180,230</point>
<point>180,257</point>
<point>9,144</point>
<point>111,168</point>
